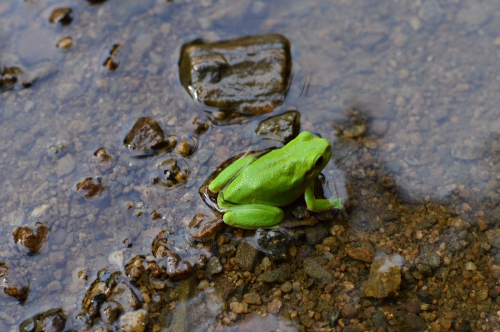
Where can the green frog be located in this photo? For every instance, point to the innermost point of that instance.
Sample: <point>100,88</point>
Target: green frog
<point>252,191</point>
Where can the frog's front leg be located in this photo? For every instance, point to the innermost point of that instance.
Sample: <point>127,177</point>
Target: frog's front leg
<point>320,205</point>
<point>229,173</point>
<point>253,216</point>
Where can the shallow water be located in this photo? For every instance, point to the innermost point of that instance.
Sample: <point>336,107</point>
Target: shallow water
<point>418,79</point>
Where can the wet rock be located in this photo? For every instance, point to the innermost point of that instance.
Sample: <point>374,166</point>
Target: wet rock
<point>370,106</point>
<point>91,189</point>
<point>187,147</point>
<point>12,285</point>
<point>379,127</point>
<point>53,320</point>
<point>227,249</point>
<point>274,306</point>
<point>103,160</point>
<point>125,297</point>
<point>169,174</point>
<point>277,275</point>
<point>272,243</point>
<point>177,269</point>
<point>59,149</point>
<point>139,266</point>
<point>362,253</point>
<point>65,166</point>
<point>283,127</point>
<point>63,16</point>
<point>493,237</point>
<point>385,276</point>
<point>246,256</point>
<point>349,311</point>
<point>134,321</point>
<point>177,256</point>
<point>109,311</point>
<point>14,75</point>
<point>467,151</point>
<point>214,302</point>
<point>112,62</point>
<point>146,138</point>
<point>315,270</point>
<point>96,294</point>
<point>181,316</point>
<point>331,316</point>
<point>410,322</point>
<point>96,2</point>
<point>249,75</point>
<point>30,240</point>
<point>415,23</point>
<point>239,307</point>
<point>355,131</point>
<point>204,227</point>
<point>65,43</point>
<point>315,234</point>
<point>473,14</point>
<point>197,126</point>
<point>430,12</point>
<point>300,212</point>
<point>214,266</point>
<point>286,287</point>
<point>252,298</point>
<point>433,261</point>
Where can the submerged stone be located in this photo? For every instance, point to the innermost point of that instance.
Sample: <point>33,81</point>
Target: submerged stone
<point>12,285</point>
<point>30,240</point>
<point>314,270</point>
<point>63,16</point>
<point>169,174</point>
<point>272,243</point>
<point>134,321</point>
<point>247,75</point>
<point>146,138</point>
<point>177,256</point>
<point>14,75</point>
<point>111,62</point>
<point>53,320</point>
<point>283,127</point>
<point>91,188</point>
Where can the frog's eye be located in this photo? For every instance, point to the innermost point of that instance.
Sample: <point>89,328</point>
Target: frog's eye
<point>319,162</point>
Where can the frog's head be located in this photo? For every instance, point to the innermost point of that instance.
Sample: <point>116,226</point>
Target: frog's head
<point>316,153</point>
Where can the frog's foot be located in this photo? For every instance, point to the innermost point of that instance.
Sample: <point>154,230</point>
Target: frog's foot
<point>253,216</point>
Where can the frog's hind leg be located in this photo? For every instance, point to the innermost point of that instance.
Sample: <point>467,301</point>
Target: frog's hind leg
<point>253,216</point>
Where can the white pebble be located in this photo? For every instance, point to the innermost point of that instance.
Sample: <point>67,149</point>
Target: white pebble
<point>469,266</point>
<point>116,258</point>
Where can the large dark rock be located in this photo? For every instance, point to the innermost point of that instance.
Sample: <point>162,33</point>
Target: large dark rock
<point>248,75</point>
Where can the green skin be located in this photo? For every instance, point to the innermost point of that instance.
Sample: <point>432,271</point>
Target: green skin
<point>251,191</point>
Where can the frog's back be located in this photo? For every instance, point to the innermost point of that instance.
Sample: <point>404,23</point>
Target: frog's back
<point>270,180</point>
